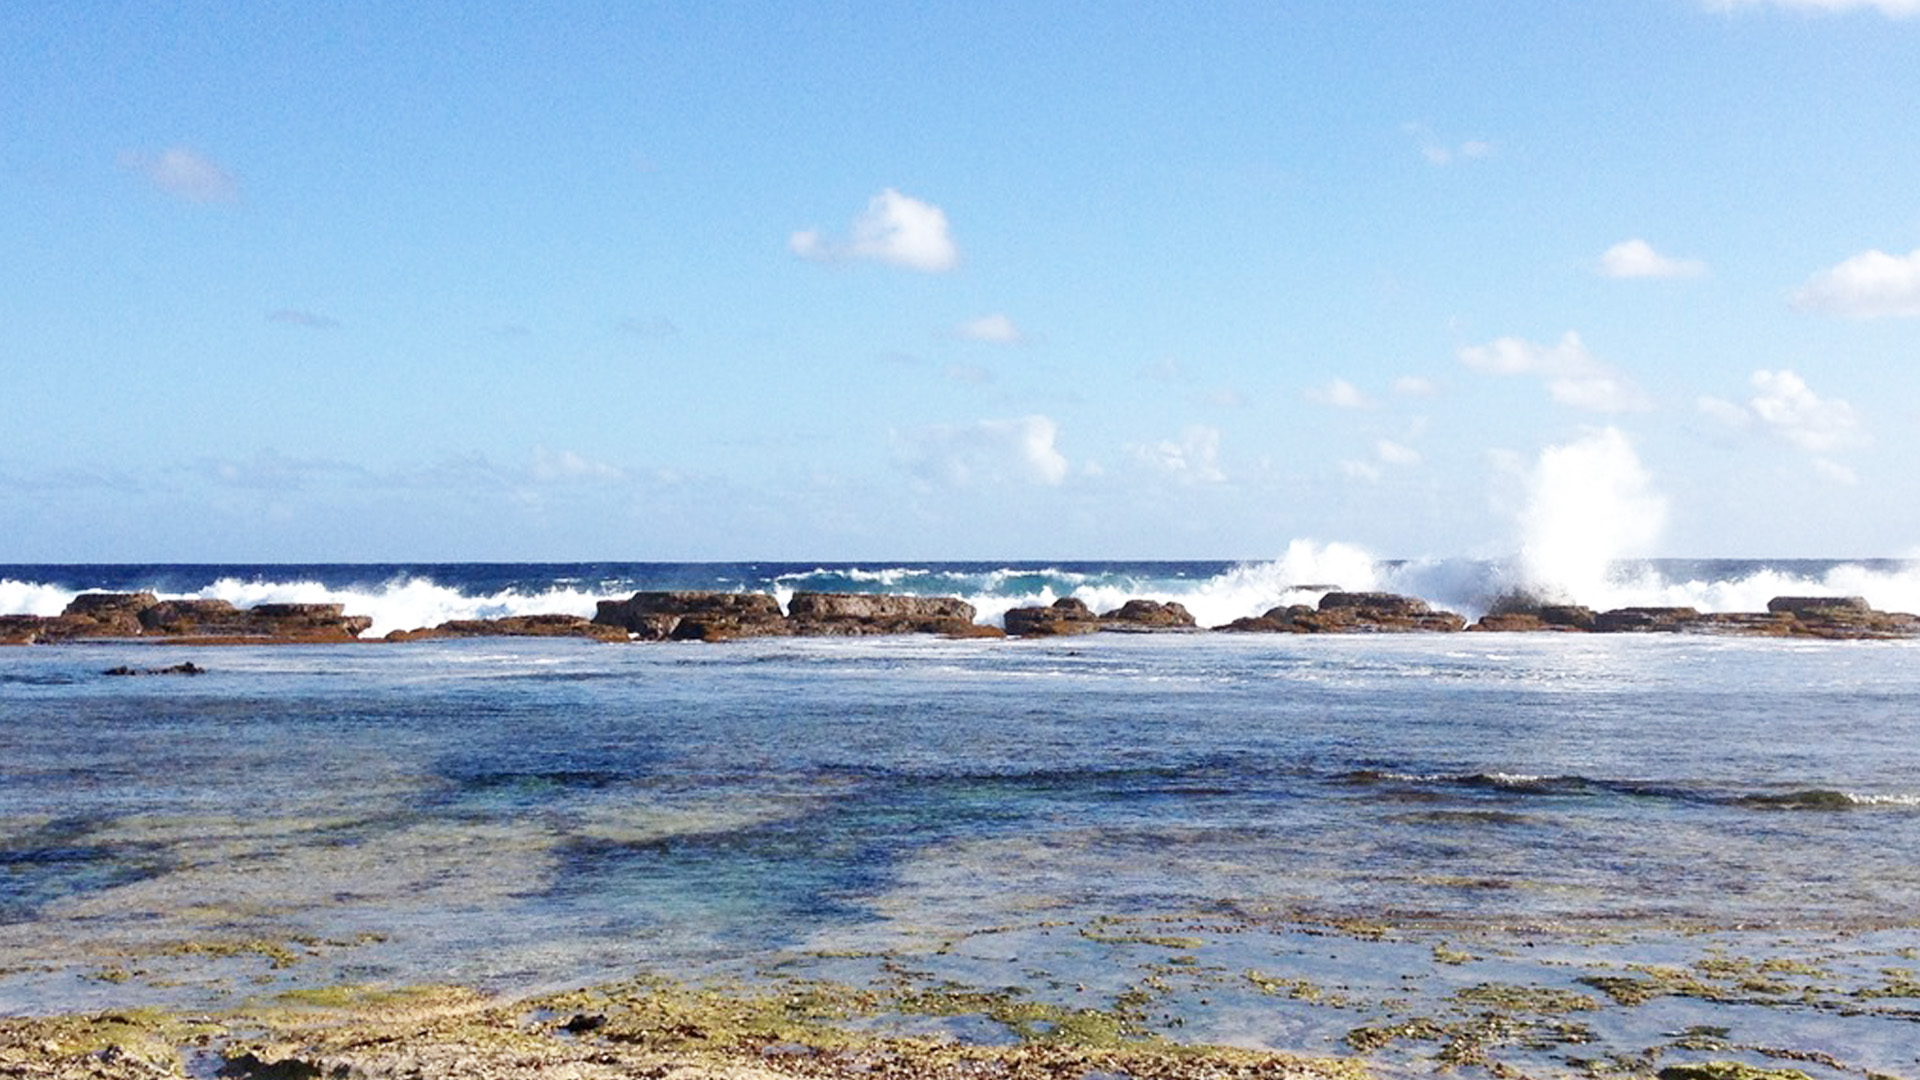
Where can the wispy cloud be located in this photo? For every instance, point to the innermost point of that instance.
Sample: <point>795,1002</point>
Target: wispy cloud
<point>1574,376</point>
<point>1340,394</point>
<point>1896,9</point>
<point>1439,152</point>
<point>986,453</point>
<point>991,329</point>
<point>185,174</point>
<point>896,229</point>
<point>1387,454</point>
<point>1872,284</point>
<point>1637,259</point>
<point>312,320</point>
<point>1194,458</point>
<point>566,466</point>
<point>1785,407</point>
<point>1415,386</point>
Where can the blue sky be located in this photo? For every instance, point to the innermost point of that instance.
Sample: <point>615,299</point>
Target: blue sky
<point>289,282</point>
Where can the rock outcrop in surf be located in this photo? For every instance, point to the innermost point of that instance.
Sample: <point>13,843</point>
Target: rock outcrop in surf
<point>726,616</point>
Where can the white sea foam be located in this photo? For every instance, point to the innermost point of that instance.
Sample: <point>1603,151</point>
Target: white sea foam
<point>32,598</point>
<point>402,604</point>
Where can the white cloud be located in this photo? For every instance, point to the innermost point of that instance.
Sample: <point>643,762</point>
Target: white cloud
<point>1393,453</point>
<point>1836,472</point>
<point>1442,153</point>
<point>986,452</point>
<point>1341,394</point>
<point>1415,386</point>
<point>1786,408</point>
<point>550,466</point>
<point>1386,454</point>
<point>896,229</point>
<point>1195,459</point>
<point>1869,285</point>
<point>185,174</point>
<point>1636,259</point>
<point>992,329</point>
<point>1896,9</point>
<point>1574,376</point>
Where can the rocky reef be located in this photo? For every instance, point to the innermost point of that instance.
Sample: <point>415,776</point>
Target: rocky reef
<point>728,616</point>
<point>144,615</point>
<point>1352,612</point>
<point>1068,616</point>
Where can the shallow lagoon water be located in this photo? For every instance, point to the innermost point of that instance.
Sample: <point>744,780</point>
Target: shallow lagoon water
<point>1073,817</point>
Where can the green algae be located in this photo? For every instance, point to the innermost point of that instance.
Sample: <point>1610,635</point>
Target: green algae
<point>1524,999</point>
<point>1727,1070</point>
<point>144,1041</point>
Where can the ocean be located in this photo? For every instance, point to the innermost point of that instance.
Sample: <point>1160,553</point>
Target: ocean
<point>1316,844</point>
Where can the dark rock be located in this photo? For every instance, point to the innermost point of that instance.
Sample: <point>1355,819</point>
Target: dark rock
<point>850,614</point>
<point>1376,603</point>
<point>1802,605</point>
<point>1148,615</point>
<point>22,629</point>
<point>1569,616</point>
<point>104,614</point>
<point>1286,619</point>
<point>1746,624</point>
<point>1518,613</point>
<point>695,616</point>
<point>1375,612</point>
<point>516,626</point>
<point>193,617</point>
<point>280,622</point>
<point>186,668</point>
<point>1067,615</point>
<point>1645,620</point>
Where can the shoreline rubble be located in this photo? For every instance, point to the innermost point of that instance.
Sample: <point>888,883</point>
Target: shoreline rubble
<point>712,616</point>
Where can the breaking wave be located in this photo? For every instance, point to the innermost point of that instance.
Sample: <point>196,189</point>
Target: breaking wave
<point>1216,592</point>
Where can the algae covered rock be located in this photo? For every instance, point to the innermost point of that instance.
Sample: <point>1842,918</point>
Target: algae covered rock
<point>1728,1070</point>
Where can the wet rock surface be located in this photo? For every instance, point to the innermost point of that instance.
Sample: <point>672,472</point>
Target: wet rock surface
<point>1350,613</point>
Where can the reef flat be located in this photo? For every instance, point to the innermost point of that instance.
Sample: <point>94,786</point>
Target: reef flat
<point>1107,998</point>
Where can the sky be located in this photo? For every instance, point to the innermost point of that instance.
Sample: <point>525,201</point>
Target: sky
<point>341,282</point>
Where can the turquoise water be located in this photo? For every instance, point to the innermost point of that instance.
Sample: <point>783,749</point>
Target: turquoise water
<point>530,814</point>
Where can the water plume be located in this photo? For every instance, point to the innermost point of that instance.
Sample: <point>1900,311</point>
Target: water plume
<point>1590,504</point>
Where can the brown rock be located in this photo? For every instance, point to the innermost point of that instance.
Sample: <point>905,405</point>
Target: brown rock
<point>695,616</point>
<point>1286,619</point>
<point>1645,620</point>
<point>516,626</point>
<point>1821,605</point>
<point>1374,612</point>
<point>105,614</point>
<point>1067,615</point>
<point>21,629</point>
<point>1138,615</point>
<point>849,614</point>
<point>1375,604</point>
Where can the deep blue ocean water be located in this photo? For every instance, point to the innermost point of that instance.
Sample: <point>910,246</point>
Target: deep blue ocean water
<point>519,814</point>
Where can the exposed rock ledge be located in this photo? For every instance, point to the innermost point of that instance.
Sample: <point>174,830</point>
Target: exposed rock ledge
<point>724,616</point>
<point>717,616</point>
<point>143,615</point>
